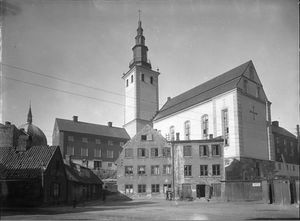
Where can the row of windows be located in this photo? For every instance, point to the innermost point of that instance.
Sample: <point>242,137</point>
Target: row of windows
<point>84,152</point>
<point>286,151</point>
<point>143,152</point>
<point>142,79</point>
<point>204,150</point>
<point>280,166</point>
<point>155,170</point>
<point>97,141</point>
<point>97,164</point>
<point>141,188</point>
<point>204,126</point>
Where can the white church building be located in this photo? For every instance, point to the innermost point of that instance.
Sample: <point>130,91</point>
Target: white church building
<point>232,105</point>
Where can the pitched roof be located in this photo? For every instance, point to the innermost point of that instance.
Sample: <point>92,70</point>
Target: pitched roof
<point>89,128</point>
<point>80,174</point>
<point>282,131</point>
<point>25,164</point>
<point>218,85</point>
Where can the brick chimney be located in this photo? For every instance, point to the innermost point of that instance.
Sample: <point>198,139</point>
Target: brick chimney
<point>169,98</point>
<point>75,118</point>
<point>7,123</point>
<point>211,136</point>
<point>275,123</point>
<point>177,136</point>
<point>109,124</point>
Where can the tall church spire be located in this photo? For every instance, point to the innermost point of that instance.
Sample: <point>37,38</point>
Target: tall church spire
<point>29,115</point>
<point>140,49</point>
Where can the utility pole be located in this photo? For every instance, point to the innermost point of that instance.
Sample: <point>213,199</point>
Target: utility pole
<point>173,170</point>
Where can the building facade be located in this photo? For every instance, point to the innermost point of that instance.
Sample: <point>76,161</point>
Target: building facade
<point>141,88</point>
<point>91,145</point>
<point>144,165</point>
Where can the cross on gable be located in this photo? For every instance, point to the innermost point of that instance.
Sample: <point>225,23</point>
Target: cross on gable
<point>253,112</point>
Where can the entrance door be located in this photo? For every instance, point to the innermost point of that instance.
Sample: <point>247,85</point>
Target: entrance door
<point>270,193</point>
<point>200,189</point>
<point>186,191</point>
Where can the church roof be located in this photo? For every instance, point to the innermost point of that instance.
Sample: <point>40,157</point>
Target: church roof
<point>89,128</point>
<point>218,85</point>
<point>38,137</point>
<point>24,164</point>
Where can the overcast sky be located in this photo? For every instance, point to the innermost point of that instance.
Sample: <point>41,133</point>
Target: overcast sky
<point>90,41</point>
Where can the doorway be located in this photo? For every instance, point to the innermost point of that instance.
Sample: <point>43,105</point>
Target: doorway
<point>200,189</point>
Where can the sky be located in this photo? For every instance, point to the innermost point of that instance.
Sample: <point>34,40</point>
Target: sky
<point>88,42</point>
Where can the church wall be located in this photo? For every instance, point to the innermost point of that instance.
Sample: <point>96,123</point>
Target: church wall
<point>130,97</point>
<point>254,127</point>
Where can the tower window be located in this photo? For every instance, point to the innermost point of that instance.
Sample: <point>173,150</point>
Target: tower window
<point>258,92</point>
<point>127,83</point>
<point>225,127</point>
<point>143,77</point>
<point>151,80</point>
<point>131,78</point>
<point>205,126</point>
<point>187,128</point>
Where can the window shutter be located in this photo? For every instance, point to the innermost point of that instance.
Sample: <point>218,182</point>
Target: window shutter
<point>147,152</point>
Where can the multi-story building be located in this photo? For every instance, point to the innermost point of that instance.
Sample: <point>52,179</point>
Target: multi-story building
<point>145,166</point>
<point>286,152</point>
<point>91,145</point>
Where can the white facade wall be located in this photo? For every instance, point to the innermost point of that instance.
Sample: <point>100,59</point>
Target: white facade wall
<point>130,96</point>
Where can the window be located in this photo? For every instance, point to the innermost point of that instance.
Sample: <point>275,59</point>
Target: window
<point>110,143</point>
<point>144,137</point>
<point>127,83</point>
<point>216,170</point>
<point>98,141</point>
<point>129,152</point>
<point>245,85</point>
<point>204,121</point>
<point>155,188</point>
<point>141,152</point>
<point>97,164</point>
<point>154,152</point>
<point>155,170</point>
<point>203,170</point>
<point>287,167</point>
<point>141,170</point>
<point>172,133</point>
<point>166,187</point>
<point>187,151</point>
<point>97,152</point>
<point>279,166</point>
<point>187,170</point>
<point>121,144</point>
<point>110,154</point>
<point>284,141</point>
<point>257,169</point>
<point>128,188</point>
<point>142,188</point>
<point>251,72</point>
<point>151,80</point>
<point>84,151</point>
<point>166,169</point>
<point>70,138</point>
<point>187,127</point>
<point>84,140</point>
<point>258,92</point>
<point>131,78</point>
<point>128,170</point>
<point>55,187</point>
<point>215,150</point>
<point>203,150</point>
<point>109,164</point>
<point>225,127</point>
<point>143,77</point>
<point>70,150</point>
<point>166,151</point>
<point>149,137</point>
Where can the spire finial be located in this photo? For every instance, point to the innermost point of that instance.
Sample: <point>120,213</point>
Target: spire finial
<point>29,115</point>
<point>140,14</point>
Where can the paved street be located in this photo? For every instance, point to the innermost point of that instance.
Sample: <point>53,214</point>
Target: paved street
<point>158,210</point>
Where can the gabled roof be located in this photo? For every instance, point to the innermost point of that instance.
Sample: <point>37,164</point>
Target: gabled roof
<point>282,131</point>
<point>89,128</point>
<point>80,174</point>
<point>24,164</point>
<point>218,85</point>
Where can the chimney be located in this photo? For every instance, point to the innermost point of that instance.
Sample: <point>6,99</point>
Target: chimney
<point>169,98</point>
<point>275,123</point>
<point>109,124</point>
<point>211,136</point>
<point>7,123</point>
<point>177,136</point>
<point>75,118</point>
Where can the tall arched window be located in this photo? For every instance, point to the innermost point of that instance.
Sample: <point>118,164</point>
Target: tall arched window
<point>204,122</point>
<point>187,129</point>
<point>172,133</point>
<point>131,78</point>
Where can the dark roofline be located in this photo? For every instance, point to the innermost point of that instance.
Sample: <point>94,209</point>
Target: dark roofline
<point>87,123</point>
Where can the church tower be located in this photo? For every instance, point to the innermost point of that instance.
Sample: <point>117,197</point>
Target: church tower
<point>141,87</point>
